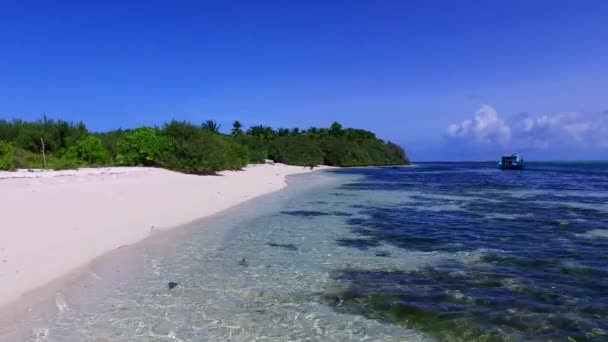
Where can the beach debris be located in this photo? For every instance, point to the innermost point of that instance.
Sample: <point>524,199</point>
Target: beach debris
<point>287,246</point>
<point>172,284</point>
<point>244,262</point>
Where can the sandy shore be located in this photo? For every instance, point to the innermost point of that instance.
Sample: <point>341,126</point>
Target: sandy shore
<point>54,222</point>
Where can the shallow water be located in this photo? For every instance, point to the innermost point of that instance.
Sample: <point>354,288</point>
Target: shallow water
<point>454,252</point>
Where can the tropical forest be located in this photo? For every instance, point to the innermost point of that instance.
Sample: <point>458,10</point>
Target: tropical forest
<point>186,147</point>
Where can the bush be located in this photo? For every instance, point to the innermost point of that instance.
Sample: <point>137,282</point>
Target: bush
<point>63,162</point>
<point>396,153</point>
<point>202,154</point>
<point>200,151</point>
<point>374,153</point>
<point>257,149</point>
<point>143,146</point>
<point>343,151</point>
<point>298,150</point>
<point>237,155</point>
<point>7,156</point>
<point>57,135</point>
<point>28,160</point>
<point>89,151</point>
<point>335,151</point>
<point>181,130</point>
<point>110,141</point>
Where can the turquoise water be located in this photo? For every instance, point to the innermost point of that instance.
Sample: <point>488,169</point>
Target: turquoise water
<point>454,252</point>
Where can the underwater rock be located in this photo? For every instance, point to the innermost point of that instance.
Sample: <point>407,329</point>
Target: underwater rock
<point>244,262</point>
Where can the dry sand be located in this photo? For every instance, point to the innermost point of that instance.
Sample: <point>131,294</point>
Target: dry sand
<point>54,222</point>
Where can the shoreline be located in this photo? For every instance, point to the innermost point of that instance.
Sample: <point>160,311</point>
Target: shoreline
<point>58,222</point>
<point>27,317</point>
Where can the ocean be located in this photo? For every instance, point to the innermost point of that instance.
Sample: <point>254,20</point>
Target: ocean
<point>430,252</point>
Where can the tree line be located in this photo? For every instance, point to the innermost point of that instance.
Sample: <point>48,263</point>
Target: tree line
<point>186,147</point>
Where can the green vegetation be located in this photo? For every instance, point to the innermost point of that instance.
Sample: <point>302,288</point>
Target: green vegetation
<point>7,156</point>
<point>202,151</point>
<point>296,150</point>
<point>143,146</point>
<point>89,151</point>
<point>185,147</point>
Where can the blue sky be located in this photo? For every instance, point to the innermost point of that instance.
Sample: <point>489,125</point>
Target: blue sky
<point>445,79</point>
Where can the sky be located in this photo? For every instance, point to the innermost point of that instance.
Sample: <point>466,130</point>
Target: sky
<point>447,80</point>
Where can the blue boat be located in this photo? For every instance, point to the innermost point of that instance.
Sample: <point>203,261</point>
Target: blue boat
<point>512,162</point>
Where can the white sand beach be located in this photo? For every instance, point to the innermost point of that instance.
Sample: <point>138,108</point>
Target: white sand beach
<point>54,222</point>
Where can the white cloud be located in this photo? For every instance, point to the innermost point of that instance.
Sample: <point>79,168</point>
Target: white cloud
<point>531,132</point>
<point>486,128</point>
<point>544,130</point>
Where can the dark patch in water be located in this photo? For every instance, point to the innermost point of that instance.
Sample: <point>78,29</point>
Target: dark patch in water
<point>287,246</point>
<point>360,206</point>
<point>305,213</point>
<point>343,194</point>
<point>172,285</point>
<point>313,213</point>
<point>537,278</point>
<point>340,213</point>
<point>357,221</point>
<point>362,244</point>
<point>456,306</point>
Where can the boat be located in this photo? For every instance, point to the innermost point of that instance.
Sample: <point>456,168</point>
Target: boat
<point>512,162</point>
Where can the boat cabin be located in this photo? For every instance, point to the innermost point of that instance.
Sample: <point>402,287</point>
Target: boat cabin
<point>512,162</point>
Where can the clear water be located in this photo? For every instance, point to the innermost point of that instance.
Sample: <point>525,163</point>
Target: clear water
<point>451,252</point>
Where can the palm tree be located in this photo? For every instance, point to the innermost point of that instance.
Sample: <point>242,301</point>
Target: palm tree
<point>211,126</point>
<point>256,131</point>
<point>261,132</point>
<point>236,129</point>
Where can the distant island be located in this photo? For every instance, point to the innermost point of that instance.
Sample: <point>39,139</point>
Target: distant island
<point>185,147</point>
